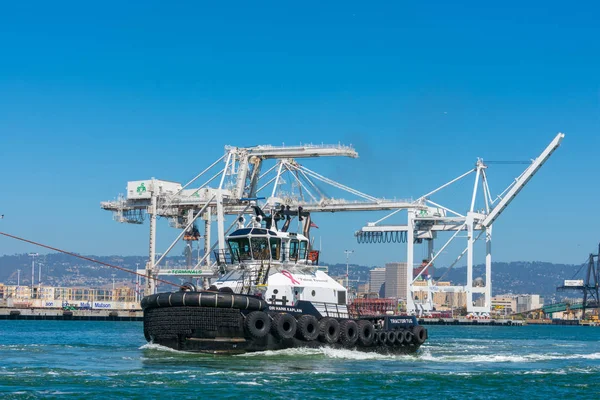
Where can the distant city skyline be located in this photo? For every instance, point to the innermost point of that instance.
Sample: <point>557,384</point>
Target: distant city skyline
<point>91,98</point>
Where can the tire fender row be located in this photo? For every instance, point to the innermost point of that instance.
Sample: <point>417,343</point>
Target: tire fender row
<point>348,332</point>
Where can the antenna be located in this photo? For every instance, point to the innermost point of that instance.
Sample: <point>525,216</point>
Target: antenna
<point>348,252</point>
<point>33,256</point>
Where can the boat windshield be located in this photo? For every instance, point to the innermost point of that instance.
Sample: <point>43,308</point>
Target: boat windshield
<point>260,248</point>
<point>275,248</point>
<point>303,249</point>
<point>293,250</point>
<point>240,249</point>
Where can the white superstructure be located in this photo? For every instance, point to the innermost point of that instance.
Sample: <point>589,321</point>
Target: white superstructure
<point>279,267</point>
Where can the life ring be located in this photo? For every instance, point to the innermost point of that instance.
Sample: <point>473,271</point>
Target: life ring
<point>348,332</point>
<point>420,334</point>
<point>283,326</point>
<point>366,333</point>
<point>329,330</point>
<point>308,328</point>
<point>257,324</point>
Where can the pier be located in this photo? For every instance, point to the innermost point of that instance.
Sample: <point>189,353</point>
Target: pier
<point>470,321</point>
<point>68,315</point>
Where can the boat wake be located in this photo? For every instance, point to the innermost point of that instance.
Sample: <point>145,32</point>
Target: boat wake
<point>501,358</point>
<point>345,354</point>
<point>424,356</point>
<point>158,347</point>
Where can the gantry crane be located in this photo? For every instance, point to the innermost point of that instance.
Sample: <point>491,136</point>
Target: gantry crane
<point>242,184</point>
<point>589,286</point>
<point>425,223</point>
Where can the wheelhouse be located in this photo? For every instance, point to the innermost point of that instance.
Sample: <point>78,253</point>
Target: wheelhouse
<point>259,244</point>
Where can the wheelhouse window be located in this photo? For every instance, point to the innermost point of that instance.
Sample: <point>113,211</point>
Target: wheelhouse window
<point>303,250</point>
<point>260,248</point>
<point>293,250</point>
<point>240,249</point>
<point>275,248</point>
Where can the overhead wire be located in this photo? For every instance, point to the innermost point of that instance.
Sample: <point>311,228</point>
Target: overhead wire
<point>583,264</point>
<point>88,259</point>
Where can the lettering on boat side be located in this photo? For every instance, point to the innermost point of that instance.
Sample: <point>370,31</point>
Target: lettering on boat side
<point>283,308</point>
<point>401,320</point>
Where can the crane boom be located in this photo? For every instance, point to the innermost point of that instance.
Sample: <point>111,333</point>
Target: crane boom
<point>522,180</point>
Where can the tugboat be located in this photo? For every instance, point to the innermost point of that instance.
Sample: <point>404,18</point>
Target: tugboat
<point>272,294</point>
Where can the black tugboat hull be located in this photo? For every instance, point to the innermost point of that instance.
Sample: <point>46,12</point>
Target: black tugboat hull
<point>224,323</point>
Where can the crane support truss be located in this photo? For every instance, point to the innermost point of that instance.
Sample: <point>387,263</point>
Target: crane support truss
<point>425,223</point>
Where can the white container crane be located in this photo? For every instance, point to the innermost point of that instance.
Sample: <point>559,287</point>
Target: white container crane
<point>424,224</point>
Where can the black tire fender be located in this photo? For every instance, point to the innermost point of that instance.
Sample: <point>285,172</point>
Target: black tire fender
<point>408,337</point>
<point>257,324</point>
<point>329,330</point>
<point>376,338</point>
<point>348,332</point>
<point>308,328</point>
<point>284,326</point>
<point>420,334</point>
<point>400,336</point>
<point>391,337</point>
<point>366,333</point>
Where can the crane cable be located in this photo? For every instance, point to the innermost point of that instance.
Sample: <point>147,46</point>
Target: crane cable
<point>88,259</point>
<point>583,264</point>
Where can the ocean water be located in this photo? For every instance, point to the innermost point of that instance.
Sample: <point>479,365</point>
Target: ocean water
<point>111,360</point>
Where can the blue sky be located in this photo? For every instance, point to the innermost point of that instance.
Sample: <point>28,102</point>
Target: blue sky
<point>93,96</point>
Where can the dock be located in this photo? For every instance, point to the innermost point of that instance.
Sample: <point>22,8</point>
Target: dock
<point>470,321</point>
<point>68,315</point>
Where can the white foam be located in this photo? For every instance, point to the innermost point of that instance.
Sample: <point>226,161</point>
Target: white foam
<point>354,354</point>
<point>154,346</point>
<point>252,383</point>
<point>298,351</point>
<point>237,373</point>
<point>593,356</point>
<point>54,392</point>
<point>500,358</point>
<point>329,352</point>
<point>542,372</point>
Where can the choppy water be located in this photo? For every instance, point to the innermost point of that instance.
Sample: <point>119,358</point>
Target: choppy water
<point>93,360</point>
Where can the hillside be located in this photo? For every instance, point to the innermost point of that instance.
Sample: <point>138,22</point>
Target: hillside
<point>518,277</point>
<point>63,270</point>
